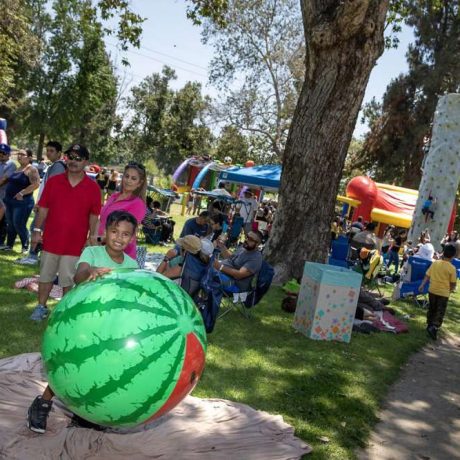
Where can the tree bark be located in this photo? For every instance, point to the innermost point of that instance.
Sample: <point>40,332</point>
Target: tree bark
<point>41,143</point>
<point>343,41</point>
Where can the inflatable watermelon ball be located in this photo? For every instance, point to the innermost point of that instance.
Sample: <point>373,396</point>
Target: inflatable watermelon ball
<point>124,349</point>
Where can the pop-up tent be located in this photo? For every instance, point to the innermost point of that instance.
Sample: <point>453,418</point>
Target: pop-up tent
<point>265,177</point>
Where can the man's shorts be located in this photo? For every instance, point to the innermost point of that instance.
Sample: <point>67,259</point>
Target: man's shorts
<point>54,264</point>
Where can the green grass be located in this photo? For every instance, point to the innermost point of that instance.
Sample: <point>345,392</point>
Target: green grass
<point>321,388</point>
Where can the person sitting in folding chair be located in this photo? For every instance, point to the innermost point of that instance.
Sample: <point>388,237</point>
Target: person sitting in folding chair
<point>238,269</point>
<point>173,262</point>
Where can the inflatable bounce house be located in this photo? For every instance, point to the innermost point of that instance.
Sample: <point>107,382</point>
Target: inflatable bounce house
<point>197,172</point>
<point>441,173</point>
<point>381,203</point>
<point>200,172</point>
<point>433,206</point>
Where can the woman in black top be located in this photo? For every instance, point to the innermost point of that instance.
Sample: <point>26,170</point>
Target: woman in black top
<point>19,199</point>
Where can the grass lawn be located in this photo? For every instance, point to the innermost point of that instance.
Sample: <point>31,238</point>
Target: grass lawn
<point>323,389</point>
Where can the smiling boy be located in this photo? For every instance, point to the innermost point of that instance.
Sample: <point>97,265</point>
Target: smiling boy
<point>94,262</point>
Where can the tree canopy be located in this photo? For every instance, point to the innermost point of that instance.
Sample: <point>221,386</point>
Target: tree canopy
<point>167,125</point>
<point>401,124</point>
<point>258,67</point>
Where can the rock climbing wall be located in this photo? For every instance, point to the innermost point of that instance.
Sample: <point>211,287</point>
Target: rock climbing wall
<point>441,171</point>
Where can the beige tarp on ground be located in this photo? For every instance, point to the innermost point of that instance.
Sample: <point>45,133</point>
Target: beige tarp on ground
<point>196,429</point>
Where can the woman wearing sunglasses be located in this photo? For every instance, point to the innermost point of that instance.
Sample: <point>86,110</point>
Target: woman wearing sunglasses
<point>131,198</point>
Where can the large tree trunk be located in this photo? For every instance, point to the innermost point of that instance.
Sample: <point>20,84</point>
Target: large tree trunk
<point>343,41</point>
<point>41,144</point>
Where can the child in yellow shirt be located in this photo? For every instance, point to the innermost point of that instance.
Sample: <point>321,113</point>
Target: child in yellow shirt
<point>442,277</point>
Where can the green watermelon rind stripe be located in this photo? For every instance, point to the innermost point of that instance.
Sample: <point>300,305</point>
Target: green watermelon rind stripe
<point>139,415</point>
<point>166,284</point>
<point>98,393</point>
<point>95,306</point>
<point>174,297</point>
<point>78,356</point>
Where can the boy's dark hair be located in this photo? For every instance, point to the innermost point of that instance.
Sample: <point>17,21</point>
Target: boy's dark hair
<point>116,217</point>
<point>449,251</point>
<point>156,205</point>
<point>371,226</point>
<point>204,214</point>
<point>217,219</point>
<point>55,145</point>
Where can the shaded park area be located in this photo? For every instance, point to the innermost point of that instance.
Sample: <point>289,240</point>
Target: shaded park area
<point>329,392</point>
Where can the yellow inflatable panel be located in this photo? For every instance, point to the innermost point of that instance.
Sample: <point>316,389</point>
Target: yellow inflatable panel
<point>350,201</point>
<point>395,188</point>
<point>391,218</point>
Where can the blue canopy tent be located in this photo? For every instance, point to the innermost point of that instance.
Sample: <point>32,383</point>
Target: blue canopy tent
<point>265,177</point>
<point>169,194</point>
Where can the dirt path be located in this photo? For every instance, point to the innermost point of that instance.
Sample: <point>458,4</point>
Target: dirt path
<point>420,419</point>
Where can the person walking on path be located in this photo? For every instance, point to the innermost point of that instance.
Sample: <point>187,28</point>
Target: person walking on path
<point>131,198</point>
<point>19,200</point>
<point>442,277</point>
<point>70,206</point>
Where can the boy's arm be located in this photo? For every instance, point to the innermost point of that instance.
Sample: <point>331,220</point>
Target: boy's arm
<point>453,287</point>
<point>426,279</point>
<point>85,272</point>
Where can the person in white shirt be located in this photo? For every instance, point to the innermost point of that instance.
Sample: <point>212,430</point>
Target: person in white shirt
<point>247,209</point>
<point>426,249</point>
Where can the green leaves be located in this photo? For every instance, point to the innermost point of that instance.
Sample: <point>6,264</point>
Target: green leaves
<point>394,148</point>
<point>167,125</point>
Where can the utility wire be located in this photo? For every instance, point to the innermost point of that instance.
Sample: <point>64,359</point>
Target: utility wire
<point>161,62</point>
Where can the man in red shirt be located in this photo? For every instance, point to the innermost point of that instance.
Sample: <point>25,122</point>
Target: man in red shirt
<point>70,205</point>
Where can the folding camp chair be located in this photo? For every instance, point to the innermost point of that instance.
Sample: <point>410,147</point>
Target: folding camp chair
<point>234,299</point>
<point>193,272</point>
<point>456,264</point>
<point>417,270</point>
<point>244,301</point>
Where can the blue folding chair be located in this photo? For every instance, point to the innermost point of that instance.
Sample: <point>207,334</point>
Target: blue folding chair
<point>418,269</point>
<point>456,264</point>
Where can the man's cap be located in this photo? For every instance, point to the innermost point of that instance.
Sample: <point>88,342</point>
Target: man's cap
<point>190,243</point>
<point>207,248</point>
<point>81,150</point>
<point>5,148</point>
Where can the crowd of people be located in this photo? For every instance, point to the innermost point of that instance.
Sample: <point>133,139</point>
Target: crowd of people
<point>80,234</point>
<point>395,250</point>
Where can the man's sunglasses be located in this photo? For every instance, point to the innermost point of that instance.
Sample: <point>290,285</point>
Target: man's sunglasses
<point>75,157</point>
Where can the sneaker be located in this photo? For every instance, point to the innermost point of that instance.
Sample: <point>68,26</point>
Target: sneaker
<point>5,247</point>
<point>27,261</point>
<point>432,332</point>
<point>37,414</point>
<point>40,313</point>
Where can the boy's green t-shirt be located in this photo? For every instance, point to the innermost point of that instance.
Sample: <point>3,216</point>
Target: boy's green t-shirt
<point>96,256</point>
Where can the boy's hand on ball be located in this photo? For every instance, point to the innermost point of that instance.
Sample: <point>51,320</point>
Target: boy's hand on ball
<point>96,272</point>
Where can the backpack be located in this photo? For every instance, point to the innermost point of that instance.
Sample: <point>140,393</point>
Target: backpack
<point>264,281</point>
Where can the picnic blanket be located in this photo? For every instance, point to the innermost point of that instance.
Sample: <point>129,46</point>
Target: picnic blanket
<point>195,429</point>
<point>31,284</point>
